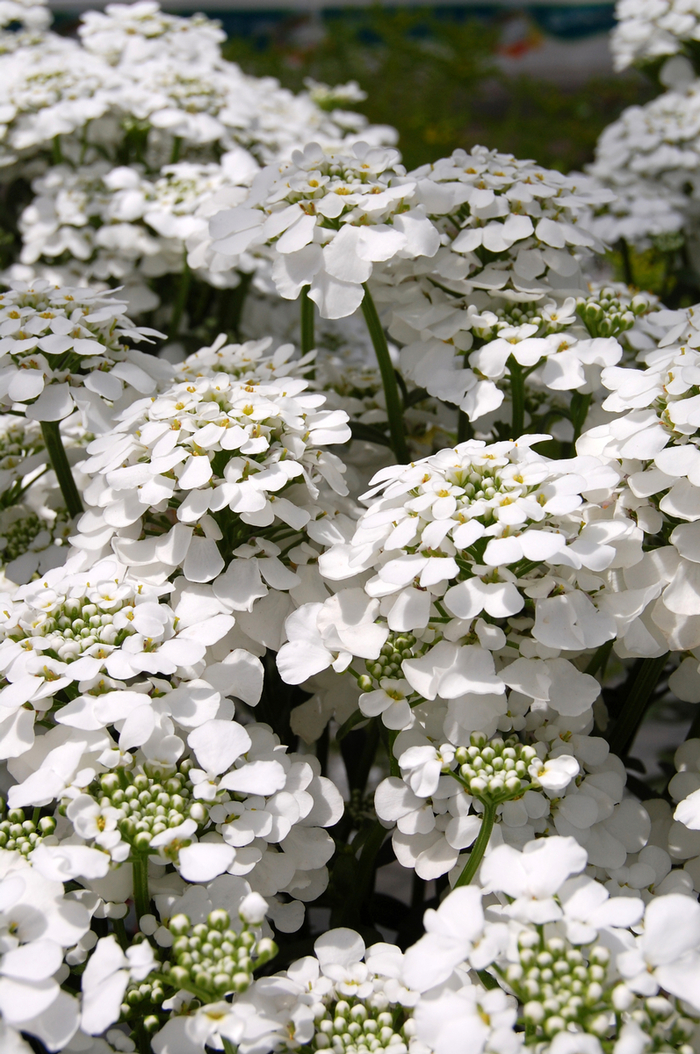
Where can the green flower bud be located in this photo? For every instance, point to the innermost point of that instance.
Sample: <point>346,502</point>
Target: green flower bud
<point>179,925</point>
<point>179,975</point>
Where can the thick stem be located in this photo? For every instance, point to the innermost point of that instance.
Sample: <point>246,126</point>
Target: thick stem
<point>307,321</point>
<point>579,411</point>
<point>600,660</point>
<point>233,301</point>
<point>142,900</point>
<point>53,442</point>
<point>391,388</point>
<point>623,247</point>
<point>228,1045</point>
<point>517,394</point>
<point>183,290</point>
<point>630,718</point>
<point>120,933</point>
<point>479,848</point>
<point>464,427</point>
<point>366,863</point>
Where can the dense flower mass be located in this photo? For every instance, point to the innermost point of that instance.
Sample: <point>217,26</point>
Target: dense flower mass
<point>65,348</point>
<point>348,533</point>
<point>653,29</point>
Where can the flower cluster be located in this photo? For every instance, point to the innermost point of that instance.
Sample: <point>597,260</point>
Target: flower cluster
<point>65,349</point>
<point>330,215</point>
<point>117,224</point>
<point>653,29</point>
<point>353,540</point>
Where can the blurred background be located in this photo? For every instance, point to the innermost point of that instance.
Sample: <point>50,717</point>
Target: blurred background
<point>535,80</point>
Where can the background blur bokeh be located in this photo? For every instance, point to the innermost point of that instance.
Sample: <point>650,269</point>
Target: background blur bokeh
<point>533,81</point>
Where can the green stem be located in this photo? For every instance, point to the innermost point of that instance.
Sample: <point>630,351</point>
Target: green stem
<point>307,321</point>
<point>175,151</point>
<point>386,368</point>
<point>579,411</point>
<point>200,993</point>
<point>143,1040</point>
<point>464,427</point>
<point>142,900</point>
<point>228,1045</point>
<point>630,718</point>
<point>120,933</point>
<point>368,856</point>
<point>479,848</point>
<point>236,302</point>
<point>53,442</point>
<point>183,289</point>
<point>600,660</point>
<point>624,250</point>
<point>517,393</point>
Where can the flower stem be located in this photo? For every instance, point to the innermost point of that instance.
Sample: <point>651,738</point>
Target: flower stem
<point>479,848</point>
<point>600,660</point>
<point>142,899</point>
<point>464,427</point>
<point>183,290</point>
<point>579,411</point>
<point>630,717</point>
<point>53,442</point>
<point>187,986</point>
<point>517,393</point>
<point>307,321</point>
<point>228,1045</point>
<point>366,863</point>
<point>386,368</point>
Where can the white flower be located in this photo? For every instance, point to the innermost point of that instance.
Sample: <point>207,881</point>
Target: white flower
<point>450,933</point>
<point>40,323</point>
<point>37,923</point>
<point>389,701</point>
<point>327,634</point>
<point>647,30</point>
<point>105,979</point>
<point>470,1019</point>
<point>532,877</point>
<point>667,954</point>
<point>331,215</point>
<point>227,452</point>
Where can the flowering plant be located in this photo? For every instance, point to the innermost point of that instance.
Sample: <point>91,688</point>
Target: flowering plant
<point>349,534</point>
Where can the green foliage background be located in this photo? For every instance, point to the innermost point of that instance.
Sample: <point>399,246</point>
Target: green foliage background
<point>435,79</point>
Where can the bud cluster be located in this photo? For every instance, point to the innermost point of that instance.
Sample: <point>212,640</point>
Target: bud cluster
<point>19,440</point>
<point>398,646</point>
<point>666,1028</point>
<point>526,314</point>
<point>609,311</point>
<point>362,1027</point>
<point>148,805</point>
<point>20,834</point>
<point>78,624</point>
<point>212,958</point>
<point>144,1002</point>
<point>498,769</point>
<point>21,529</point>
<point>559,986</point>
